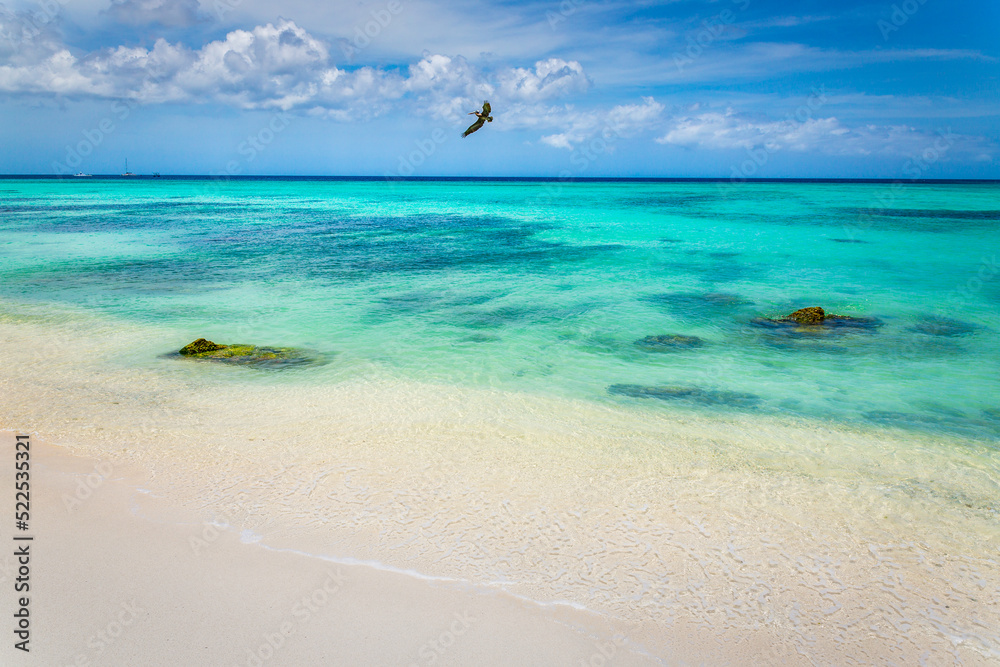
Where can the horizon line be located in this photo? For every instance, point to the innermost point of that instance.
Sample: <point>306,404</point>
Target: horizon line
<point>568,179</point>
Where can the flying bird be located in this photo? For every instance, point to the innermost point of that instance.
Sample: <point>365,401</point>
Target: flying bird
<point>481,119</point>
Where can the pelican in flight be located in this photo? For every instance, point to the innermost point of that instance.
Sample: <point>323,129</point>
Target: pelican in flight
<point>481,119</point>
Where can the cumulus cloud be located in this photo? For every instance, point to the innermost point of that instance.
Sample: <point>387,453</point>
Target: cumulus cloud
<point>282,66</point>
<point>271,66</point>
<point>448,87</point>
<point>549,78</point>
<point>278,65</point>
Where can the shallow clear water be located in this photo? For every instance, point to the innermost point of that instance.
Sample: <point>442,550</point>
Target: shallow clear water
<point>547,287</point>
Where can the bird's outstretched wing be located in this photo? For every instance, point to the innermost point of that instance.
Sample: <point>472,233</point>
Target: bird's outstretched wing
<point>475,126</point>
<point>486,108</point>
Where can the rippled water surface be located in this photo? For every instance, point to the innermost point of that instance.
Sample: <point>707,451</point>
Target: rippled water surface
<point>552,287</point>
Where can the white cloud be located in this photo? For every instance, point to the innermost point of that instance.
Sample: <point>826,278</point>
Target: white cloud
<point>26,37</point>
<point>279,65</point>
<point>629,118</point>
<point>729,130</point>
<point>448,87</point>
<point>271,66</point>
<point>550,78</point>
<point>624,120</point>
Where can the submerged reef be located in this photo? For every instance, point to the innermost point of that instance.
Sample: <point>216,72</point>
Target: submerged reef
<point>669,342</point>
<point>691,394</point>
<point>933,325</point>
<point>693,300</point>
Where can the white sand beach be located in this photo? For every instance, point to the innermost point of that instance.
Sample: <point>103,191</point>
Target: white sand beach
<point>121,576</point>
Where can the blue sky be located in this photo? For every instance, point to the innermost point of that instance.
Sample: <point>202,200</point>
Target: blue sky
<point>732,88</point>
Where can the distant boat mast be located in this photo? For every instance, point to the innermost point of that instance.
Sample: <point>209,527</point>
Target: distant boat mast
<point>127,172</point>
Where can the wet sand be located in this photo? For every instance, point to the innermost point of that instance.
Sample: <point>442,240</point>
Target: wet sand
<point>119,576</point>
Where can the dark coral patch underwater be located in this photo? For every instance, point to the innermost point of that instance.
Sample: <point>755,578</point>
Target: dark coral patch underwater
<point>688,394</point>
<point>669,342</point>
<point>934,325</point>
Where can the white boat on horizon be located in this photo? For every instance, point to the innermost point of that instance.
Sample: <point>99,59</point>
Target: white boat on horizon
<point>127,172</point>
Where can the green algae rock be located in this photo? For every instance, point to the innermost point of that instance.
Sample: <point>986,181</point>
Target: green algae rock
<point>200,346</point>
<point>813,315</point>
<point>243,354</point>
<point>815,321</point>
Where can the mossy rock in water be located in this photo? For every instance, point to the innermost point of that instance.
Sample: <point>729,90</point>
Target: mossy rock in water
<point>200,346</point>
<point>814,320</point>
<point>242,354</point>
<point>668,342</point>
<point>811,315</point>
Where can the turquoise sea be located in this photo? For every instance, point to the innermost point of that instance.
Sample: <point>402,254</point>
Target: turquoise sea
<point>549,287</point>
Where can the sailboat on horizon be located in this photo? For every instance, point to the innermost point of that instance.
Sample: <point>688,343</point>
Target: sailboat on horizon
<point>127,172</point>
